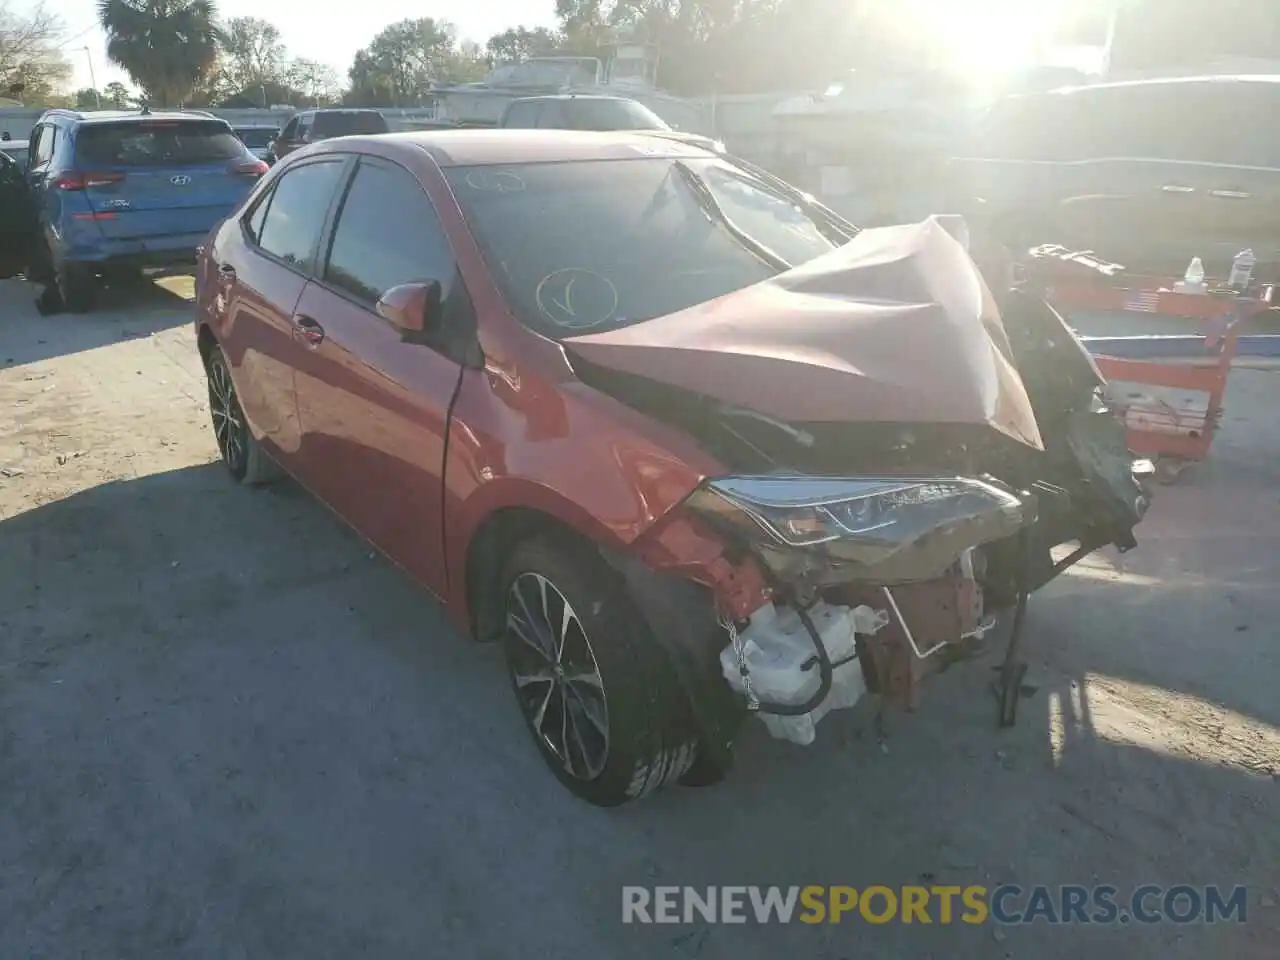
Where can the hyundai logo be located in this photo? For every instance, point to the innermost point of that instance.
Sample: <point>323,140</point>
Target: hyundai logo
<point>181,180</point>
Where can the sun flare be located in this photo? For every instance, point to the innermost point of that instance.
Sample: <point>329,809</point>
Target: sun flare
<point>978,36</point>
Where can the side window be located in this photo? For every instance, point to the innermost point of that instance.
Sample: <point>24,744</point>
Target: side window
<point>553,116</point>
<point>522,115</point>
<point>44,143</point>
<point>304,125</point>
<point>295,215</point>
<point>33,144</point>
<point>290,130</point>
<point>387,234</point>
<point>253,223</point>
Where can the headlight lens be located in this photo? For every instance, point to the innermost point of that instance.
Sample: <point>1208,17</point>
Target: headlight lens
<point>865,520</point>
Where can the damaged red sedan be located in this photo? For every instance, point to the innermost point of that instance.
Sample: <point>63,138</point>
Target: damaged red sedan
<point>688,444</point>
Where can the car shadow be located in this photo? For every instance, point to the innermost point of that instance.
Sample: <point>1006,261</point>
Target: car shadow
<point>227,721</point>
<point>124,310</point>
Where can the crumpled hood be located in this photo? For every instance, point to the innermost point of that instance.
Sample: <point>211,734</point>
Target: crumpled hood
<point>897,326</point>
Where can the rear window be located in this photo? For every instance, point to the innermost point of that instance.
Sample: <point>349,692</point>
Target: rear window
<point>349,124</point>
<point>253,137</point>
<point>610,115</point>
<point>154,143</point>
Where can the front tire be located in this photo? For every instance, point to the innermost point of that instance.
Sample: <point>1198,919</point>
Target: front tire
<point>241,453</point>
<point>597,692</point>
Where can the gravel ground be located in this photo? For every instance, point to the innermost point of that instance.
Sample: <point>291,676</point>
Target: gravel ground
<point>228,730</point>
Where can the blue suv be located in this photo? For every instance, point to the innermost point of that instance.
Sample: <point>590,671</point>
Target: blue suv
<point>119,192</point>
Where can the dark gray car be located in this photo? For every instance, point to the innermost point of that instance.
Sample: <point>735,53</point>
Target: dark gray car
<point>1147,173</point>
<point>308,126</point>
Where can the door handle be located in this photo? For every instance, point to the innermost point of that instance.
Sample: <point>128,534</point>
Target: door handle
<point>308,329</point>
<point>1177,188</point>
<point>1231,194</point>
<point>226,272</point>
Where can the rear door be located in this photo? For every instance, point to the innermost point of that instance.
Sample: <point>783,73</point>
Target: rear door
<point>153,180</point>
<point>1112,194</point>
<point>1231,158</point>
<point>17,226</point>
<point>261,274</point>
<point>374,407</point>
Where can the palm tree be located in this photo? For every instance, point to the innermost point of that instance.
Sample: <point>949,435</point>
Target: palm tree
<point>166,46</point>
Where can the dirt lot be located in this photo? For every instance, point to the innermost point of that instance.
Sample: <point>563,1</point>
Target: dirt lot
<point>227,730</point>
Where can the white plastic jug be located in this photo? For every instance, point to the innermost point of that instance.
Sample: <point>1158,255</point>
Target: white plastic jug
<point>1242,269</point>
<point>1193,280</point>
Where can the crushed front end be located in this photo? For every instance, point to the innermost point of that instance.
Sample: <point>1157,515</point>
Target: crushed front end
<point>893,486</point>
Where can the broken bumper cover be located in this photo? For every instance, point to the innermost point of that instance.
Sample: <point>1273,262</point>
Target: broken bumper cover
<point>883,530</point>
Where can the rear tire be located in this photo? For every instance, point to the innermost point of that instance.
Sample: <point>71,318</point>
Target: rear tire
<point>597,692</point>
<point>242,455</point>
<point>76,287</point>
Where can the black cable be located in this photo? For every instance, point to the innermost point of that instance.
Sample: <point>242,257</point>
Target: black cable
<point>825,674</point>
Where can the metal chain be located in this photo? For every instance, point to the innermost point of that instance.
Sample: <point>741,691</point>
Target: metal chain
<point>740,651</point>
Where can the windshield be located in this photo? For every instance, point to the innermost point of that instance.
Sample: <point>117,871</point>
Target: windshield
<point>143,143</point>
<point>596,245</point>
<point>611,115</point>
<point>256,136</point>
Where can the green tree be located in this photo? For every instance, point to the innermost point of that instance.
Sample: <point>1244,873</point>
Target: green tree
<point>368,84</point>
<point>87,99</point>
<point>117,96</point>
<point>168,47</point>
<point>404,59</point>
<point>520,43</point>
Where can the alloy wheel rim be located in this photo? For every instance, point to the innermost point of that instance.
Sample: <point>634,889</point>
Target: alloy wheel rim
<point>228,419</point>
<point>557,678</point>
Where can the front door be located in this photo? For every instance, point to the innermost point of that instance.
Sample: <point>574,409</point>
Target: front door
<point>374,407</point>
<point>261,278</point>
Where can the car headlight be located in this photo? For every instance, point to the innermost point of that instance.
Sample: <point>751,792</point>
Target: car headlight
<point>866,520</point>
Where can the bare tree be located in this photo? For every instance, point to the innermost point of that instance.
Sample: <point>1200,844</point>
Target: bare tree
<point>318,81</point>
<point>30,54</point>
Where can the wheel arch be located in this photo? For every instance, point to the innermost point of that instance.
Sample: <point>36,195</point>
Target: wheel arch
<point>205,341</point>
<point>492,540</point>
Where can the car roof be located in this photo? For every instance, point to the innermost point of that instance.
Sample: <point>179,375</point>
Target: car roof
<point>576,96</point>
<point>458,148</point>
<point>96,117</point>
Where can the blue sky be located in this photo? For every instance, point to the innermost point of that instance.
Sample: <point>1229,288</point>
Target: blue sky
<point>309,31</point>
